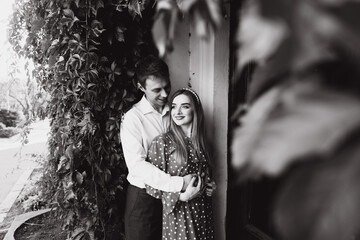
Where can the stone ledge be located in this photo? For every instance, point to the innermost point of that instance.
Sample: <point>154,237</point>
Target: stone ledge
<point>15,191</point>
<point>20,219</point>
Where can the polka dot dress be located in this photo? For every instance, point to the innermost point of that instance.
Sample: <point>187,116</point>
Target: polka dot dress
<point>192,220</point>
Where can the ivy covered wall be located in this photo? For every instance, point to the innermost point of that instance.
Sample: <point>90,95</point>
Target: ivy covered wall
<point>84,53</point>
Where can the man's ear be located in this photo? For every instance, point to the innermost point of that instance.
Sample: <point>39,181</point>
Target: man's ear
<point>140,87</point>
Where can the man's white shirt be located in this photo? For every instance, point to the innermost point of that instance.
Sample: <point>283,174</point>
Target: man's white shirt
<point>141,124</point>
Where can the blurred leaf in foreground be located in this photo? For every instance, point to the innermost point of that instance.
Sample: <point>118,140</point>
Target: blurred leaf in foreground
<point>286,37</point>
<point>206,16</point>
<point>303,119</point>
<point>292,122</point>
<point>163,30</point>
<point>320,199</point>
<point>258,37</point>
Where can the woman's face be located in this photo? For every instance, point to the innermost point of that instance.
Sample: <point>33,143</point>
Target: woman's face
<point>182,112</point>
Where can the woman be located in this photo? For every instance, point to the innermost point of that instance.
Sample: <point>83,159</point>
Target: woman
<point>178,152</point>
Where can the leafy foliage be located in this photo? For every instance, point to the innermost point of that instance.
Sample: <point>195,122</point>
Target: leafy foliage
<point>84,53</point>
<point>303,101</point>
<point>21,92</point>
<point>206,15</point>
<point>9,118</point>
<point>25,91</point>
<point>333,116</point>
<point>8,132</point>
<point>302,122</point>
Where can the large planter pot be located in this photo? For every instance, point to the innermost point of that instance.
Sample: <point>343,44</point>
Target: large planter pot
<point>20,220</point>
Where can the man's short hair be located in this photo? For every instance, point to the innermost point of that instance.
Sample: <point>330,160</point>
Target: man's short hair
<point>151,66</point>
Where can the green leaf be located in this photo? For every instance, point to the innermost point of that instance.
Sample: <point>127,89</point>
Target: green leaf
<point>37,25</point>
<point>135,8</point>
<point>113,66</point>
<point>73,44</point>
<point>54,45</point>
<point>119,34</point>
<point>78,233</point>
<point>163,30</point>
<point>96,24</point>
<point>121,7</point>
<point>99,4</point>
<point>97,32</point>
<point>92,48</point>
<point>291,122</point>
<point>107,175</point>
<point>206,15</point>
<point>63,165</point>
<point>68,13</point>
<point>315,193</point>
<point>79,177</point>
<point>66,21</point>
<point>77,37</point>
<point>70,152</point>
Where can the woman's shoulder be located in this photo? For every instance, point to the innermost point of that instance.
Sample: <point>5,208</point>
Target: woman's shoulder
<point>161,138</point>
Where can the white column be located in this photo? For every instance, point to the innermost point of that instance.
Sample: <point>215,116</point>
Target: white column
<point>209,76</point>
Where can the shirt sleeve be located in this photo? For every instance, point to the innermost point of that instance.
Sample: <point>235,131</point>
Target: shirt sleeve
<point>134,153</point>
<point>157,156</point>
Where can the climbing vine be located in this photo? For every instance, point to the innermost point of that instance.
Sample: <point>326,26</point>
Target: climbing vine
<point>84,53</point>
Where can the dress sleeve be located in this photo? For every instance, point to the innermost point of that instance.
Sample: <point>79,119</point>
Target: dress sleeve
<point>169,201</point>
<point>206,173</point>
<point>158,155</point>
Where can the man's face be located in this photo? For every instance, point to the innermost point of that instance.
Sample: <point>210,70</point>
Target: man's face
<point>156,91</point>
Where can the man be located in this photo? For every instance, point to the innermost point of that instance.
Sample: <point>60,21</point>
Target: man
<point>144,121</point>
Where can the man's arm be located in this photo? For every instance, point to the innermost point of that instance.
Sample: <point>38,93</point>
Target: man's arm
<point>191,191</point>
<point>187,179</point>
<point>134,153</point>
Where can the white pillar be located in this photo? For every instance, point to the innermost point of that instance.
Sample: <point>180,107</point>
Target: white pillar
<point>209,74</point>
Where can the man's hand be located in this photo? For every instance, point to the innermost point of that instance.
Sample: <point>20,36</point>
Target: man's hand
<point>187,180</point>
<point>191,190</point>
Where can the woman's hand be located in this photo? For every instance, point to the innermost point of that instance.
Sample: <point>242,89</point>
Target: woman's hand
<point>210,188</point>
<point>191,191</point>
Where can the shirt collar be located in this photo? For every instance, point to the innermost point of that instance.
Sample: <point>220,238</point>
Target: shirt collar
<point>145,107</point>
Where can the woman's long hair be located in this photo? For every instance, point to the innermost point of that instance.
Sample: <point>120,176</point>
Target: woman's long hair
<point>177,135</point>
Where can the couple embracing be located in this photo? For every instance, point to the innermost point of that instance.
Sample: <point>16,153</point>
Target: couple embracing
<point>169,195</point>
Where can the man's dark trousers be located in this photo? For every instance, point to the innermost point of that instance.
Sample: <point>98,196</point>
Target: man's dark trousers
<point>143,215</point>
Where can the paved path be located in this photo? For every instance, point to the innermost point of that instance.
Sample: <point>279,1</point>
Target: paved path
<point>16,164</point>
<point>13,163</point>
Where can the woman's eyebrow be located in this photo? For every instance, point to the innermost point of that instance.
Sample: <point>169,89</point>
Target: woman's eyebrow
<point>181,104</point>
